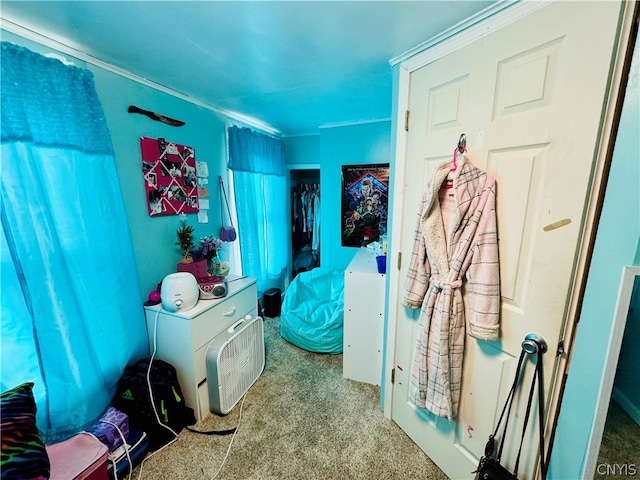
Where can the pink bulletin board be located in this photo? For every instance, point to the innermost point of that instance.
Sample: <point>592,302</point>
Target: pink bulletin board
<point>169,176</point>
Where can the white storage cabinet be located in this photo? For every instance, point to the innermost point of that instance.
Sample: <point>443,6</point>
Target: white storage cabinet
<point>182,338</point>
<point>364,294</point>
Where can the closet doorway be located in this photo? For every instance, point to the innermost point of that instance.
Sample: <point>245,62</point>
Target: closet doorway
<point>304,182</point>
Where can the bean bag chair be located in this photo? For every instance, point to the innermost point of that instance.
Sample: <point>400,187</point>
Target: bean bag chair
<point>312,316</point>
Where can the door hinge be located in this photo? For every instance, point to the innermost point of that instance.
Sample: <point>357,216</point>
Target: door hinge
<point>561,349</point>
<point>406,120</point>
<point>399,260</point>
<point>393,375</point>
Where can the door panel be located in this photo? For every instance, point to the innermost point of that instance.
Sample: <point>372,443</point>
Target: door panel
<point>529,98</point>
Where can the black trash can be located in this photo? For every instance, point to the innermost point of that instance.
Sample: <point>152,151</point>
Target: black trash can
<point>272,302</point>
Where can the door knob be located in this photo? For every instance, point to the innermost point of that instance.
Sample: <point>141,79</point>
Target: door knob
<point>532,342</point>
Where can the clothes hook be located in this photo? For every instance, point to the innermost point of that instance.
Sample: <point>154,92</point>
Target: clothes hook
<point>461,148</point>
<point>462,143</point>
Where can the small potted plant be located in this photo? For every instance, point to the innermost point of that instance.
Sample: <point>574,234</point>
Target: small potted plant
<point>185,242</point>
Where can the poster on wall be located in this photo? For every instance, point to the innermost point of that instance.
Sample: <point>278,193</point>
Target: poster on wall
<point>365,199</point>
<point>169,176</point>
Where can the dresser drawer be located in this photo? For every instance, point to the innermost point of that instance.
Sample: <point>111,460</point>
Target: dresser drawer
<point>215,320</point>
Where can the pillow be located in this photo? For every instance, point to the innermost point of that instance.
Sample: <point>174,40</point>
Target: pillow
<point>23,452</point>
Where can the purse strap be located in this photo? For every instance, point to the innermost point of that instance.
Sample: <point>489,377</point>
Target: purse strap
<point>526,421</point>
<point>507,406</point>
<point>537,376</point>
<point>224,194</point>
<point>543,458</point>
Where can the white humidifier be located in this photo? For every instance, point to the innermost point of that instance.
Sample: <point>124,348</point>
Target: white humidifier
<point>179,292</point>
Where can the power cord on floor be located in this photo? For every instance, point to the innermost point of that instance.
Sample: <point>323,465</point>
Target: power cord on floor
<point>234,430</point>
<point>153,405</point>
<point>224,460</point>
<point>213,432</point>
<point>153,354</point>
<point>126,451</point>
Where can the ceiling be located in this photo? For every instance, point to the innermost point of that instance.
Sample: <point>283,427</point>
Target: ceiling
<point>290,67</point>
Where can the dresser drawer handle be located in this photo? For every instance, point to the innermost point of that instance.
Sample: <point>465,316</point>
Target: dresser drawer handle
<point>230,312</point>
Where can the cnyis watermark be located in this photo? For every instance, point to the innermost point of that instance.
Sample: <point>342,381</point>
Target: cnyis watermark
<point>618,470</point>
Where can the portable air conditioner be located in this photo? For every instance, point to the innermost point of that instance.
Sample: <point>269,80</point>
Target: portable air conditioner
<point>235,360</point>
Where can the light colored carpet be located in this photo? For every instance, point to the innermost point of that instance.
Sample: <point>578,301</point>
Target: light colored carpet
<point>301,420</point>
<point>620,447</point>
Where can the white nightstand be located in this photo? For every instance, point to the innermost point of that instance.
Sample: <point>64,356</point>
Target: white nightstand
<point>182,338</point>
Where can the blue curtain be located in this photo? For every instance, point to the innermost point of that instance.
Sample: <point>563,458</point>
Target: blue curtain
<point>71,309</point>
<point>260,192</point>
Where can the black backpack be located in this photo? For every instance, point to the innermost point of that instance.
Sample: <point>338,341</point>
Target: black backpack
<point>132,397</point>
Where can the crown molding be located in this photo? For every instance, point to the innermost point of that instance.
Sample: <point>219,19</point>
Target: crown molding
<point>351,124</point>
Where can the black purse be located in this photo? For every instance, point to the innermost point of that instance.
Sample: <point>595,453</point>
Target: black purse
<point>489,467</point>
<point>492,470</point>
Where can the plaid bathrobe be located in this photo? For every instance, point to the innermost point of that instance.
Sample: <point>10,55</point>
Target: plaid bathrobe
<point>444,255</point>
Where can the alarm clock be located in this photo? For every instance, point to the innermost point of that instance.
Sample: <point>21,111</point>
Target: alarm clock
<point>212,287</point>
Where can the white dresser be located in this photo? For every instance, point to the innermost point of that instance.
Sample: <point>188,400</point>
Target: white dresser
<point>182,338</point>
<point>364,301</point>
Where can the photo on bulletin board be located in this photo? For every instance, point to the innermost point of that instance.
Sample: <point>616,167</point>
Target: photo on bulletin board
<point>365,200</point>
<point>170,177</point>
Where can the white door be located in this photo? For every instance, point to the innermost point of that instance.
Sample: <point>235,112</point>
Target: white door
<point>529,98</point>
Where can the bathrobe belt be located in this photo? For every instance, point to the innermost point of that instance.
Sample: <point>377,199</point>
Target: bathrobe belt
<point>439,285</point>
<point>445,331</point>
